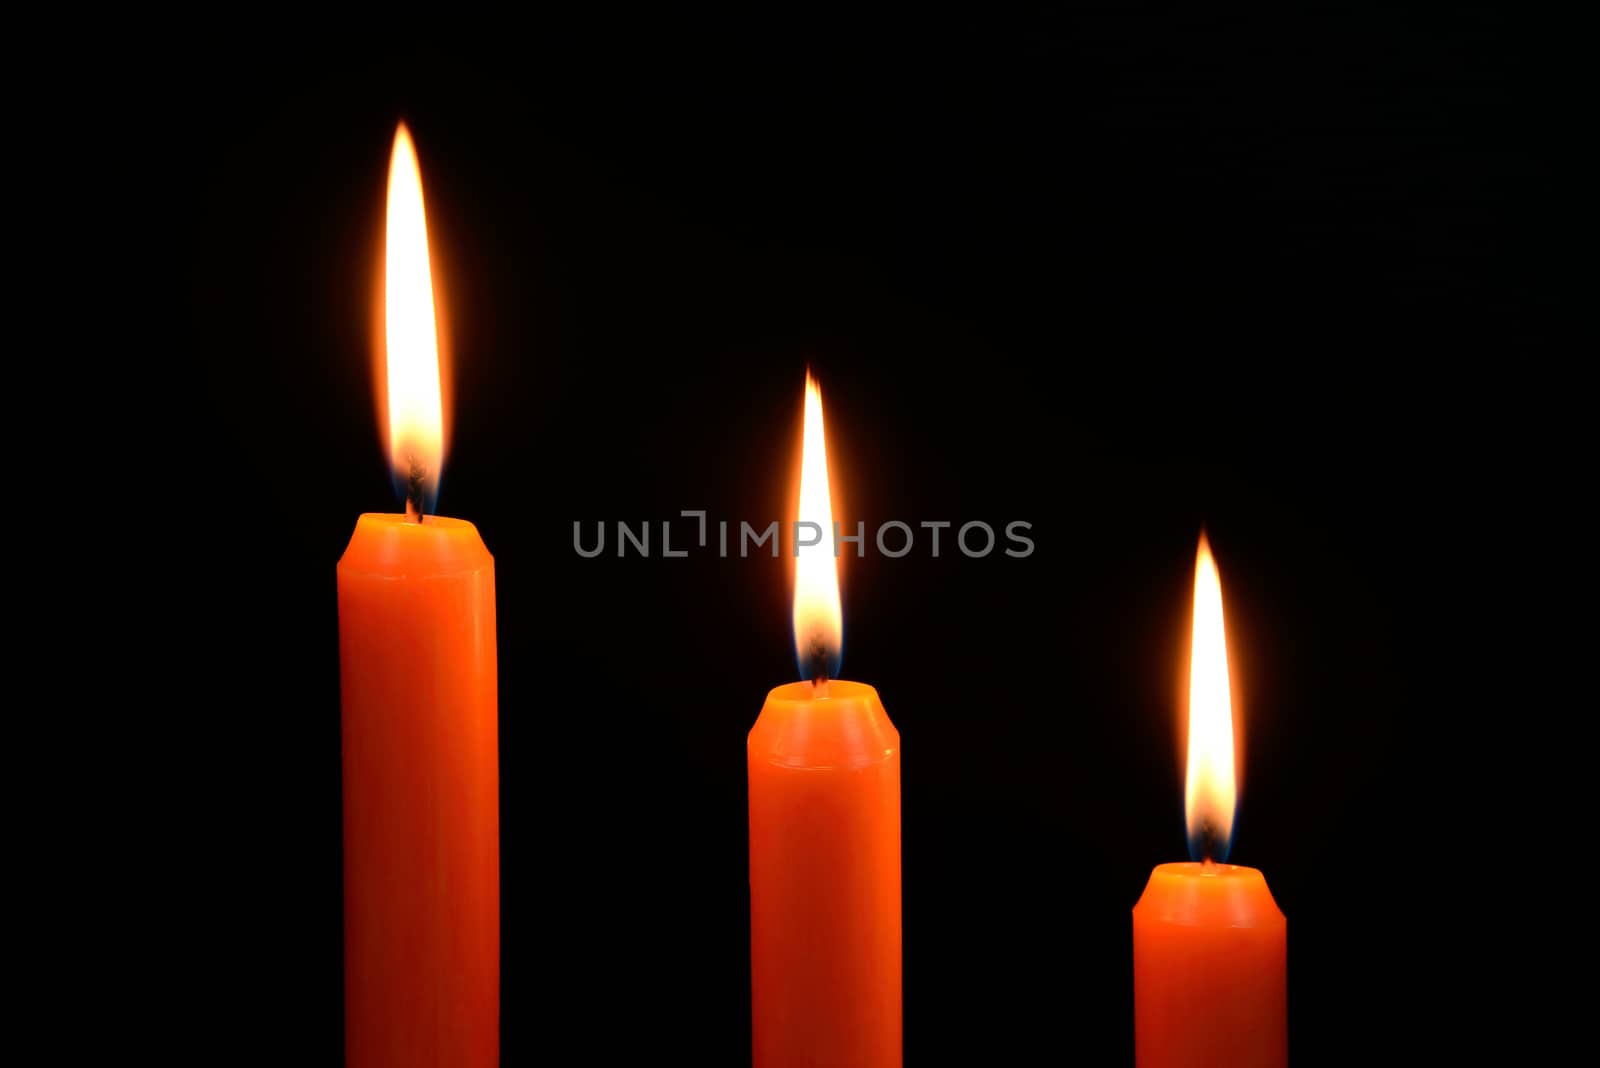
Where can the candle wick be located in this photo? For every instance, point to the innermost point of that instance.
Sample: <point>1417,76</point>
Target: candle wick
<point>1208,845</point>
<point>414,509</point>
<point>817,658</point>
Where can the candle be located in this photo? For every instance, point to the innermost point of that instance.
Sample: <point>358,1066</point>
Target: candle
<point>824,776</point>
<point>418,690</point>
<point>1209,943</point>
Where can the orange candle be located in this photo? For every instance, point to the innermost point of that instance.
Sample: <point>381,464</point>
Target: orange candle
<point>1210,946</point>
<point>420,746</point>
<point>824,777</point>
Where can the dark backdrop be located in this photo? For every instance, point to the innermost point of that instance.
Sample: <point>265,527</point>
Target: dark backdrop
<point>1119,277</point>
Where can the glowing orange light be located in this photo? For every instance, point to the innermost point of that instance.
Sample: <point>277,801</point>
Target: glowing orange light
<point>1209,785</point>
<point>818,621</point>
<point>411,345</point>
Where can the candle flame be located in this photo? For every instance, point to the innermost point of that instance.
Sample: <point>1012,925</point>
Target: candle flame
<point>1209,785</point>
<point>411,343</point>
<point>818,621</point>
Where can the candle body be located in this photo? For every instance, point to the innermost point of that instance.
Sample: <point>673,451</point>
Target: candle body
<point>421,795</point>
<point>824,781</point>
<point>1210,955</point>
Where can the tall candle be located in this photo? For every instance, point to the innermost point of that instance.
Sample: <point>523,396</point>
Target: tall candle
<point>824,780</point>
<point>1209,942</point>
<point>419,720</point>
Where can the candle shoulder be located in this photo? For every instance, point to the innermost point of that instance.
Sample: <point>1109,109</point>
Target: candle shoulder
<point>847,729</point>
<point>390,546</point>
<point>1218,895</point>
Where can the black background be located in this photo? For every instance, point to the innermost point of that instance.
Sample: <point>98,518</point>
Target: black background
<point>1120,276</point>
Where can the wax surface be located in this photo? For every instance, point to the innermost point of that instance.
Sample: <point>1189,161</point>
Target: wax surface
<point>825,879</point>
<point>421,795</point>
<point>1209,970</point>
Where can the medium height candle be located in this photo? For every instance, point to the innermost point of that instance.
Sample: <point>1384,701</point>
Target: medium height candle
<point>1210,951</point>
<point>419,721</point>
<point>824,780</point>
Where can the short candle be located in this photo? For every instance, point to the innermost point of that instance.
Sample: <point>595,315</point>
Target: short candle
<point>1210,985</point>
<point>824,778</point>
<point>419,720</point>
